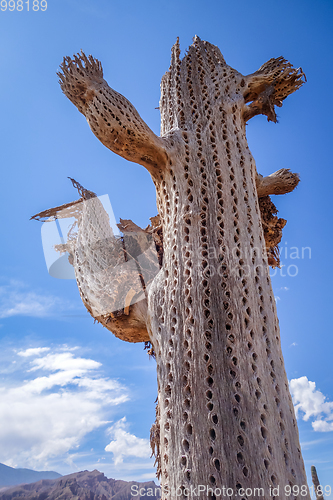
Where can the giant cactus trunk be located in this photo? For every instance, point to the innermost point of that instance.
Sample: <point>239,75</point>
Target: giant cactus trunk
<point>225,416</point>
<point>225,413</point>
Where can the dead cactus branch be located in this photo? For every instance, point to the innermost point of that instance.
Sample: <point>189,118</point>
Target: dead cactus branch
<point>62,212</point>
<point>281,182</point>
<point>79,79</point>
<point>111,117</point>
<point>272,227</point>
<point>113,273</point>
<point>269,86</point>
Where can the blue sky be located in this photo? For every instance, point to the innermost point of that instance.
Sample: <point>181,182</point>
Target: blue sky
<point>73,397</point>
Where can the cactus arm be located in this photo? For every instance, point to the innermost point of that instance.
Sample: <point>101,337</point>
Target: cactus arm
<point>280,182</point>
<point>111,117</point>
<point>269,86</point>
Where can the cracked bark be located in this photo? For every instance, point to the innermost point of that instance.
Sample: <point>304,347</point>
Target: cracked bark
<point>225,415</point>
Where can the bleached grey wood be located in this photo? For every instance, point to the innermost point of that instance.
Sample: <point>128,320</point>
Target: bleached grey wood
<point>281,182</point>
<point>225,415</point>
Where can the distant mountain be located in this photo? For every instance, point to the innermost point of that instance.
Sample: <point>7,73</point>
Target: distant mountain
<point>11,477</point>
<point>82,486</point>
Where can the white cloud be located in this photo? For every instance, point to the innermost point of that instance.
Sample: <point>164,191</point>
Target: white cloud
<point>124,444</point>
<point>312,403</point>
<point>45,417</point>
<point>65,362</point>
<point>322,426</point>
<point>294,344</point>
<point>33,351</point>
<point>17,300</point>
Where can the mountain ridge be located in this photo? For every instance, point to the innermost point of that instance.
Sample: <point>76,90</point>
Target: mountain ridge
<point>83,485</point>
<point>10,476</point>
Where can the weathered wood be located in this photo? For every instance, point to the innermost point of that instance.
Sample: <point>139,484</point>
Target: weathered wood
<point>281,182</point>
<point>317,486</point>
<point>112,273</point>
<point>111,117</point>
<point>225,412</point>
<point>225,416</point>
<point>269,86</point>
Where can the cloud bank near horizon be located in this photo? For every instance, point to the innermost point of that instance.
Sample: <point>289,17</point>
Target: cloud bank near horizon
<point>62,399</point>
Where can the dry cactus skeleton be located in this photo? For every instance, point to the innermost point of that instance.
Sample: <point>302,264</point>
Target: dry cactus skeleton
<point>113,273</point>
<point>318,489</point>
<point>224,415</point>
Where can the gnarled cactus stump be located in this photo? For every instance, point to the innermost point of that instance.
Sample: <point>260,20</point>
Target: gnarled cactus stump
<point>225,416</point>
